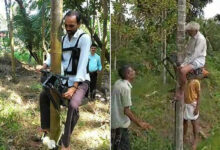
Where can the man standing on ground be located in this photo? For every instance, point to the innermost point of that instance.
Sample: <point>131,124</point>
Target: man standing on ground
<point>75,54</point>
<point>95,66</point>
<point>121,115</point>
<point>191,108</point>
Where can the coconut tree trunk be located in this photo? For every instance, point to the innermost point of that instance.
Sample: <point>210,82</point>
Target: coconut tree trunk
<point>179,102</point>
<point>56,20</point>
<point>9,14</point>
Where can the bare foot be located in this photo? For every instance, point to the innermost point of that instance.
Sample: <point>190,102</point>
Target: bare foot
<point>43,130</point>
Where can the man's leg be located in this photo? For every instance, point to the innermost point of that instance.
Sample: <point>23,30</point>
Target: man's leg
<point>183,72</point>
<point>185,127</point>
<point>182,80</point>
<point>44,111</point>
<point>72,113</point>
<point>125,142</point>
<point>195,133</point>
<point>93,77</point>
<point>120,139</point>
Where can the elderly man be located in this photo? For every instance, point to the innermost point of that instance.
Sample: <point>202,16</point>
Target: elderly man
<point>75,55</point>
<point>120,110</point>
<point>196,53</point>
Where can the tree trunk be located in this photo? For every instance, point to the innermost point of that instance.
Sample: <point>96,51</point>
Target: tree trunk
<point>44,49</point>
<point>179,102</point>
<point>9,14</point>
<point>56,20</point>
<point>164,49</point>
<point>105,19</point>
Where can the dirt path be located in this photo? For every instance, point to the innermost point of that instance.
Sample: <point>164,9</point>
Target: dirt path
<point>19,115</point>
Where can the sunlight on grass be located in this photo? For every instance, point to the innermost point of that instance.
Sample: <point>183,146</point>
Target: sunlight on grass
<point>94,138</point>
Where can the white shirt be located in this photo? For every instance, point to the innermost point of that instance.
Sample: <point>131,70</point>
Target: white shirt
<point>196,49</point>
<point>120,98</point>
<point>84,44</point>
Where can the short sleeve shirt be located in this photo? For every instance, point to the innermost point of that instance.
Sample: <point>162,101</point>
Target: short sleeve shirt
<point>192,91</point>
<point>120,98</point>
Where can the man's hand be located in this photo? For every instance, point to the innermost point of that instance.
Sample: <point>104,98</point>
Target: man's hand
<point>196,111</point>
<point>145,125</point>
<point>39,68</point>
<point>69,93</point>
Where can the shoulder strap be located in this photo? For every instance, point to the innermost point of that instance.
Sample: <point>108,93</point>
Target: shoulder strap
<point>63,40</point>
<point>76,45</point>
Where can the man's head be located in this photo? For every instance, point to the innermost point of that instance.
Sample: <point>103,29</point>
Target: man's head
<point>192,28</point>
<point>93,48</point>
<point>72,22</point>
<point>126,72</point>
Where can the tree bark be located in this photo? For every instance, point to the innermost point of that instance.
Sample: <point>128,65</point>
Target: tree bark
<point>164,49</point>
<point>105,19</point>
<point>9,14</point>
<point>56,20</point>
<point>179,102</point>
<point>44,49</point>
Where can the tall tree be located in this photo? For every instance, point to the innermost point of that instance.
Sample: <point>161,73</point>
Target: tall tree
<point>9,15</point>
<point>56,20</point>
<point>104,41</point>
<point>179,102</point>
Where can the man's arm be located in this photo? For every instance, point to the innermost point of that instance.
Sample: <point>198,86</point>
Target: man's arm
<point>71,91</point>
<point>133,118</point>
<point>46,63</point>
<point>99,64</point>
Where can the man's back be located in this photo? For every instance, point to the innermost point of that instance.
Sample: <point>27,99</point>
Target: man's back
<point>192,91</point>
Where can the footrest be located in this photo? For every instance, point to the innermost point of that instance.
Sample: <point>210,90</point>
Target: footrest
<point>198,74</point>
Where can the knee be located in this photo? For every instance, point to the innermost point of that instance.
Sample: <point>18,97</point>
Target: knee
<point>182,71</point>
<point>74,104</point>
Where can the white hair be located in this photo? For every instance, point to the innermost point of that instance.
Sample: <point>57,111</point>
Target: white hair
<point>192,26</point>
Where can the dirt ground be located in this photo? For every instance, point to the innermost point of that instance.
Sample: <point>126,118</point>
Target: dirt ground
<point>20,117</point>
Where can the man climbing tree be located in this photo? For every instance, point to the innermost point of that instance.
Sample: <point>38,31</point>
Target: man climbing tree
<point>75,53</point>
<point>196,52</point>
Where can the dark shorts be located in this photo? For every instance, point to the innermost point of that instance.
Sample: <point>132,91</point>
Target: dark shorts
<point>120,139</point>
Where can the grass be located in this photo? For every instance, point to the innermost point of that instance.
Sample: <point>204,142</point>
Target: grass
<point>20,117</point>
